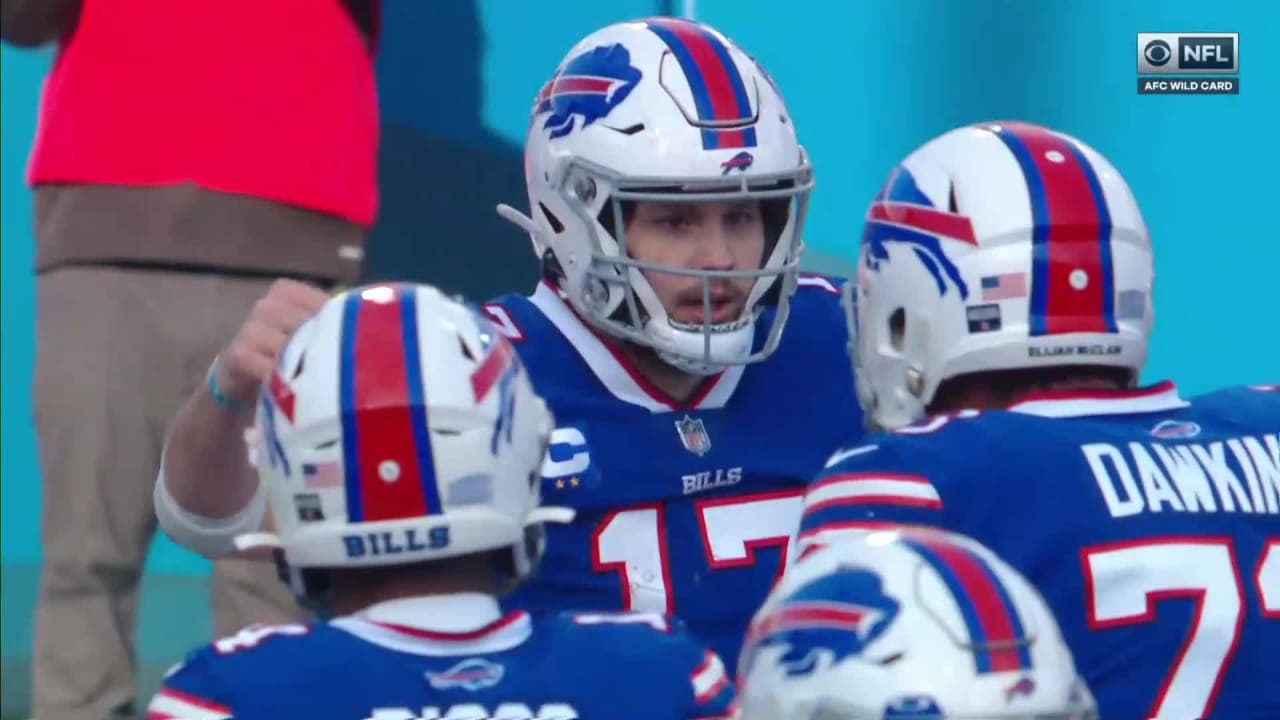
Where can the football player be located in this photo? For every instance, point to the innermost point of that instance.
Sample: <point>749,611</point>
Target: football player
<point>400,444</point>
<point>667,191</point>
<point>1002,316</point>
<point>907,625</point>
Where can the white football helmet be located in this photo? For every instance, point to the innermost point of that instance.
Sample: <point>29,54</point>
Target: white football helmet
<point>662,109</point>
<point>398,427</point>
<point>908,624</point>
<point>994,247</point>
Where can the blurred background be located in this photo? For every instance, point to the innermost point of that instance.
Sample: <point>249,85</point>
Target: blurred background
<point>866,81</point>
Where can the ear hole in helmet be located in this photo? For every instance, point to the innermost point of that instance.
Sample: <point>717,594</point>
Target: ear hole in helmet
<point>898,329</point>
<point>302,361</point>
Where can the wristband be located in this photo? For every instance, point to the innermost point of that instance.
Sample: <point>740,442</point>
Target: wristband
<point>220,398</point>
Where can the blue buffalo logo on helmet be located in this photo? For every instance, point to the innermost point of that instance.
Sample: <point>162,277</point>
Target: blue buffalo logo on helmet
<point>824,621</point>
<point>742,161</point>
<point>589,86</point>
<point>903,214</point>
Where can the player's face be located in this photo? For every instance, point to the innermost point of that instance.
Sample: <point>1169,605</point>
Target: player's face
<point>698,236</point>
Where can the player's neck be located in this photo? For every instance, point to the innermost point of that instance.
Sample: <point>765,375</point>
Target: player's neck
<point>990,393</point>
<point>673,382</point>
<point>1077,384</point>
<point>355,592</point>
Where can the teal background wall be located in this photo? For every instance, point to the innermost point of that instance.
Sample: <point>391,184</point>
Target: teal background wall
<point>866,80</point>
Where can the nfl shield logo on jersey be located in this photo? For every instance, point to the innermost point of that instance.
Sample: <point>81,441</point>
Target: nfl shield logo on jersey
<point>694,435</point>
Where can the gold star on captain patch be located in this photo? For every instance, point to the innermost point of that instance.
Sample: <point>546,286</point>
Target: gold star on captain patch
<point>560,484</point>
<point>574,481</point>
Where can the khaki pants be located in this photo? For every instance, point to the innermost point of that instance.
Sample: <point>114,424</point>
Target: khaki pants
<point>117,352</point>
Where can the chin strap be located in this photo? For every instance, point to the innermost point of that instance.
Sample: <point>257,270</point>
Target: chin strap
<point>692,367</point>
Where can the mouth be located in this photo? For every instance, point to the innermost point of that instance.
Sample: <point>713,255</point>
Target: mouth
<point>726,307</point>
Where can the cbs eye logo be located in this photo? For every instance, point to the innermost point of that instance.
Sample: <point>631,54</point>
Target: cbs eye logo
<point>1188,53</point>
<point>1158,53</point>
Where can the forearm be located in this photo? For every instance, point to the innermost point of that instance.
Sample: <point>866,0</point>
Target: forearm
<point>211,537</point>
<point>206,461</point>
<point>208,492</point>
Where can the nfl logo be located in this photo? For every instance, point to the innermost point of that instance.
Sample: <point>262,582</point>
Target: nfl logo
<point>694,435</point>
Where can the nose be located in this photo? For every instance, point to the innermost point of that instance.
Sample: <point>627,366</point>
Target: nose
<point>713,249</point>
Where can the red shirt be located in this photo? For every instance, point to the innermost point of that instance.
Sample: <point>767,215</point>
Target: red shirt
<point>270,98</point>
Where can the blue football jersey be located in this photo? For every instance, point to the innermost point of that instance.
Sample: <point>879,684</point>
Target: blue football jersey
<point>451,658</point>
<point>682,508</point>
<point>1150,524</point>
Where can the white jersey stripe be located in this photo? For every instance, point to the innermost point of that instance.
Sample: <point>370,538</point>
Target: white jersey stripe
<point>169,704</point>
<point>871,488</point>
<point>709,678</point>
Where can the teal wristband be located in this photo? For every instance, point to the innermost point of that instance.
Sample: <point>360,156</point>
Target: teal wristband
<point>220,398</point>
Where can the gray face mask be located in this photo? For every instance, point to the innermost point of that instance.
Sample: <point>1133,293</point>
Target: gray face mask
<point>615,295</point>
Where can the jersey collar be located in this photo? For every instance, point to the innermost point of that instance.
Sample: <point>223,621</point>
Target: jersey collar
<point>613,370</point>
<point>1160,397</point>
<point>460,624</point>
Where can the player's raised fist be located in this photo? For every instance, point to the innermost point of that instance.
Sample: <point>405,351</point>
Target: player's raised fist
<point>246,362</point>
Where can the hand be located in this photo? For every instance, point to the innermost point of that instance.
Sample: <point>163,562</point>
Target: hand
<point>248,360</point>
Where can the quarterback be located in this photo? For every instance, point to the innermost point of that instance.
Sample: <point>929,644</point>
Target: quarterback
<point>697,380</point>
